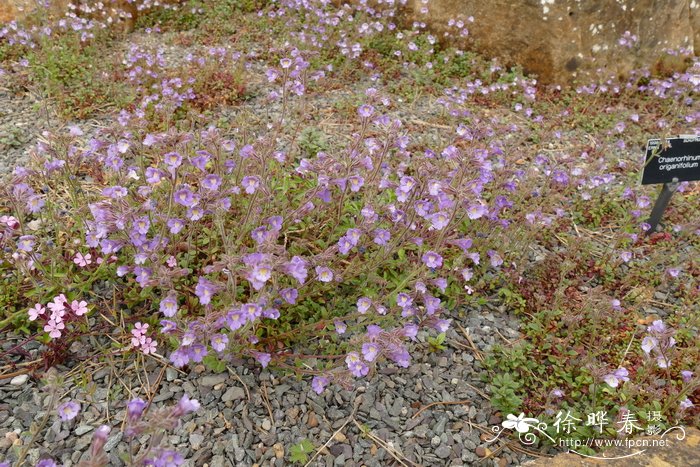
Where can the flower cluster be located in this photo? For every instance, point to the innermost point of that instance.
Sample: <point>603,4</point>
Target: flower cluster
<point>659,342</point>
<point>60,312</point>
<point>141,341</point>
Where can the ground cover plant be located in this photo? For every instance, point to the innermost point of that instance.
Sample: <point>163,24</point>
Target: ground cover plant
<point>329,233</point>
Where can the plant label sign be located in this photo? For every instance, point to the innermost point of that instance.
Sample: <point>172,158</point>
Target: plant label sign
<point>678,162</point>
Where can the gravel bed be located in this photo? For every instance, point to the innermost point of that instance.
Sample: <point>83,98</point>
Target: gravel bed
<point>233,426</point>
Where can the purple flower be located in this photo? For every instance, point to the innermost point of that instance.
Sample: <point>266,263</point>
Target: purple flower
<point>200,160</point>
<point>35,203</point>
<point>365,111</point>
<point>410,330</point>
<point>175,225</point>
<point>319,383</point>
<point>172,160</point>
<point>344,245</point>
<point>439,220</point>
<point>186,405</point>
<point>26,243</point>
<point>662,361</point>
<point>275,223</point>
<point>235,320</point>
<point>406,184</point>
<point>673,272</point>
<point>324,274</point>
<point>432,259</point>
<point>432,304</point>
<point>476,211</point>
<point>558,393</point>
<point>167,326</point>
<point>403,300</point>
<point>400,356</point>
<point>442,325</point>
<point>143,275</point>
<point>114,192</point>
<point>251,311</point>
<point>289,295</point>
<point>271,313</point>
<point>262,358</point>
<point>649,343</point>
<point>686,404</point>
<point>45,463</point>
<point>340,327</point>
<point>211,182</point>
<point>363,304</point>
<point>99,439</point>
<point>197,352</point>
<point>250,184</point>
<point>687,375</point>
<point>356,182</point>
<point>168,458</point>
<point>68,410</point>
<point>168,306</point>
<point>185,197</point>
<point>614,379</point>
<point>356,366</point>
<point>219,342</point>
<point>657,327</point>
<point>353,235</point>
<point>154,175</point>
<point>204,290</point>
<point>297,269</point>
<point>496,259</point>
<point>381,236</point>
<point>261,273</point>
<point>142,224</point>
<point>259,234</point>
<point>370,350</point>
<point>134,408</point>
<point>626,256</point>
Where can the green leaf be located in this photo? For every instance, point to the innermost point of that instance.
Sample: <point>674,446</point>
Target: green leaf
<point>300,452</point>
<point>213,363</point>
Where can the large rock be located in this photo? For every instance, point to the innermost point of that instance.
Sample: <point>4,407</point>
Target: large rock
<point>562,40</point>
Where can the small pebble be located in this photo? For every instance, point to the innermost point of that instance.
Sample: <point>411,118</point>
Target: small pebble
<point>19,380</point>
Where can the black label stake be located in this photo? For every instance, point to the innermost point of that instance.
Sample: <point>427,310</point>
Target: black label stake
<point>660,205</point>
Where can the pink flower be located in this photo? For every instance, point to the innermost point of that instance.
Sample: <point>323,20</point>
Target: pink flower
<point>54,328</point>
<point>58,304</point>
<point>37,310</point>
<point>140,329</point>
<point>148,345</point>
<point>79,308</point>
<point>82,260</point>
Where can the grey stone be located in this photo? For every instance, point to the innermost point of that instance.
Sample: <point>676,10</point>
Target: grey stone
<point>196,441</point>
<point>113,441</point>
<point>233,393</point>
<point>212,380</point>
<point>82,429</point>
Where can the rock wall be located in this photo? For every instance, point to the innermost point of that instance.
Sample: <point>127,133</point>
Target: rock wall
<point>562,40</point>
<point>12,9</point>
